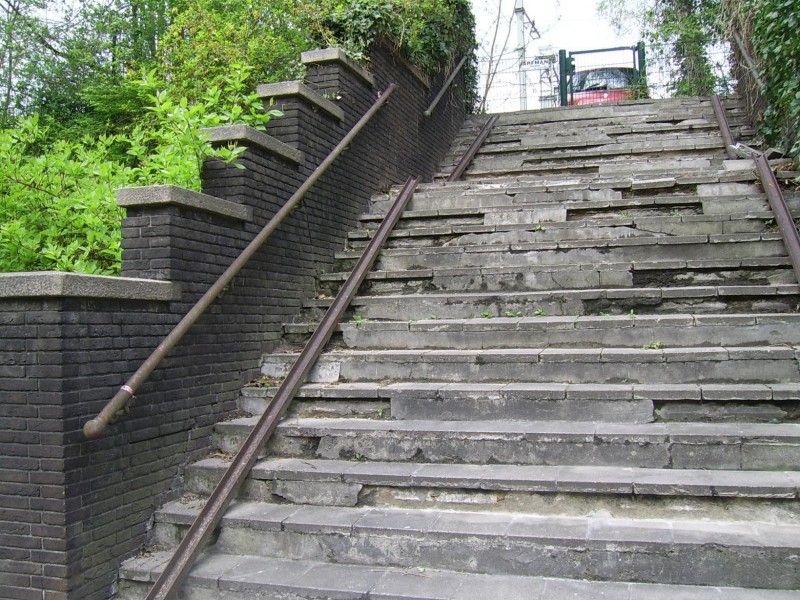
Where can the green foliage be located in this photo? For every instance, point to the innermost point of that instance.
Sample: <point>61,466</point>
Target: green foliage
<point>206,36</point>
<point>689,28</point>
<point>433,34</point>
<point>775,39</point>
<point>114,93</point>
<point>679,33</point>
<point>56,202</point>
<point>57,207</point>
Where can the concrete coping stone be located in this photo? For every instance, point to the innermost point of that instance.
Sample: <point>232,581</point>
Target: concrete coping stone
<point>78,285</point>
<point>329,55</point>
<point>298,88</point>
<point>173,195</point>
<point>245,135</point>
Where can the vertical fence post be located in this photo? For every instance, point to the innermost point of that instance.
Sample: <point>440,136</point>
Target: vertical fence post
<point>642,60</point>
<point>562,77</point>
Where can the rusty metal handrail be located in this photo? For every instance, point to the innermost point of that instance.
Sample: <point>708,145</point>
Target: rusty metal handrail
<point>94,428</point>
<point>202,527</point>
<point>445,87</point>
<point>724,126</point>
<point>465,161</point>
<point>783,216</point>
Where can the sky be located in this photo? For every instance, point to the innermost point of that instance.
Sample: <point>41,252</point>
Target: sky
<point>563,24</point>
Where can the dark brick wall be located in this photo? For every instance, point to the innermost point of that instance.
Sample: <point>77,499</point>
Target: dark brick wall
<point>71,510</point>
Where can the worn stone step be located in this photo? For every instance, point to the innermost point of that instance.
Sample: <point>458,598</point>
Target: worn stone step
<point>759,364</point>
<point>661,154</point>
<point>745,554</point>
<point>473,230</point>
<point>599,301</point>
<point>658,273</point>
<point>578,187</point>
<point>623,403</point>
<point>623,331</point>
<point>556,138</point>
<point>601,147</point>
<point>730,446</point>
<point>243,577</point>
<point>591,178</point>
<point>656,171</point>
<point>664,493</point>
<point>593,251</point>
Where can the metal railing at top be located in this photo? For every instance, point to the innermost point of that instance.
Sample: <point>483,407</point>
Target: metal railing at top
<point>445,87</point>
<point>95,428</point>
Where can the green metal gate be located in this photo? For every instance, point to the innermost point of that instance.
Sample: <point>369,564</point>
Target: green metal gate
<point>594,62</point>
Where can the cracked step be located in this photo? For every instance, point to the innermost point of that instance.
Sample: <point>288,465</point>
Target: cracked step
<point>624,403</point>
<point>484,332</point>
<point>335,482</point>
<point>636,249</point>
<point>768,270</point>
<point>655,300</point>
<point>675,445</point>
<point>242,577</point>
<point>684,552</point>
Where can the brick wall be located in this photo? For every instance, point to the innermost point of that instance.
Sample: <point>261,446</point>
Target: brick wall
<point>70,509</point>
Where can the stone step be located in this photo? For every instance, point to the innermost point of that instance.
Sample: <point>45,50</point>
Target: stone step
<point>779,298</point>
<point>638,249</point>
<point>676,152</point>
<point>744,554</point>
<point>628,403</point>
<point>567,276</point>
<point>640,168</point>
<point>556,138</point>
<point>472,230</point>
<point>493,487</point>
<point>741,364</point>
<point>622,331</point>
<point>675,445</point>
<point>243,577</point>
<point>725,182</point>
<point>741,201</point>
<point>635,180</point>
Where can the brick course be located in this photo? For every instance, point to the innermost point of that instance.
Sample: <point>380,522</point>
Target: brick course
<point>71,510</point>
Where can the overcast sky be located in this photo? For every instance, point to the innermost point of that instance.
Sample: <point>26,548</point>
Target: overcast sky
<point>568,24</point>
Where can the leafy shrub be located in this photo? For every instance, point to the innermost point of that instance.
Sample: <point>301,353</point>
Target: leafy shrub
<point>57,199</point>
<point>776,41</point>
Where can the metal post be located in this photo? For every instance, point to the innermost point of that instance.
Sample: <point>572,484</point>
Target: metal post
<point>519,15</point>
<point>640,50</point>
<point>562,77</point>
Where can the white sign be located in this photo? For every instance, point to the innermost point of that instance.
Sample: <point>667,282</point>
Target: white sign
<point>539,62</point>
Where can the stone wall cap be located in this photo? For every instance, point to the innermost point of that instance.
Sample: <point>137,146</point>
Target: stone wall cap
<point>328,55</point>
<point>171,194</point>
<point>77,285</point>
<point>244,135</point>
<point>298,88</point>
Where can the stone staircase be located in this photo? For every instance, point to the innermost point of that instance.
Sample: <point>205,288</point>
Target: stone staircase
<point>573,374</point>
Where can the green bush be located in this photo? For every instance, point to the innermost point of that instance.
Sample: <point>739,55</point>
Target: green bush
<point>102,127</point>
<point>776,41</point>
<point>57,198</point>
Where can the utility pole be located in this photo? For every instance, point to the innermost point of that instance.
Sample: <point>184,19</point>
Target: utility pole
<point>519,16</point>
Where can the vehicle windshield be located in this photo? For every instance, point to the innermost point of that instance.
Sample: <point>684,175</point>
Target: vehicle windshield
<point>611,78</point>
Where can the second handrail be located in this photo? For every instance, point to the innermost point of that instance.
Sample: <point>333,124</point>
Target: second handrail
<point>445,87</point>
